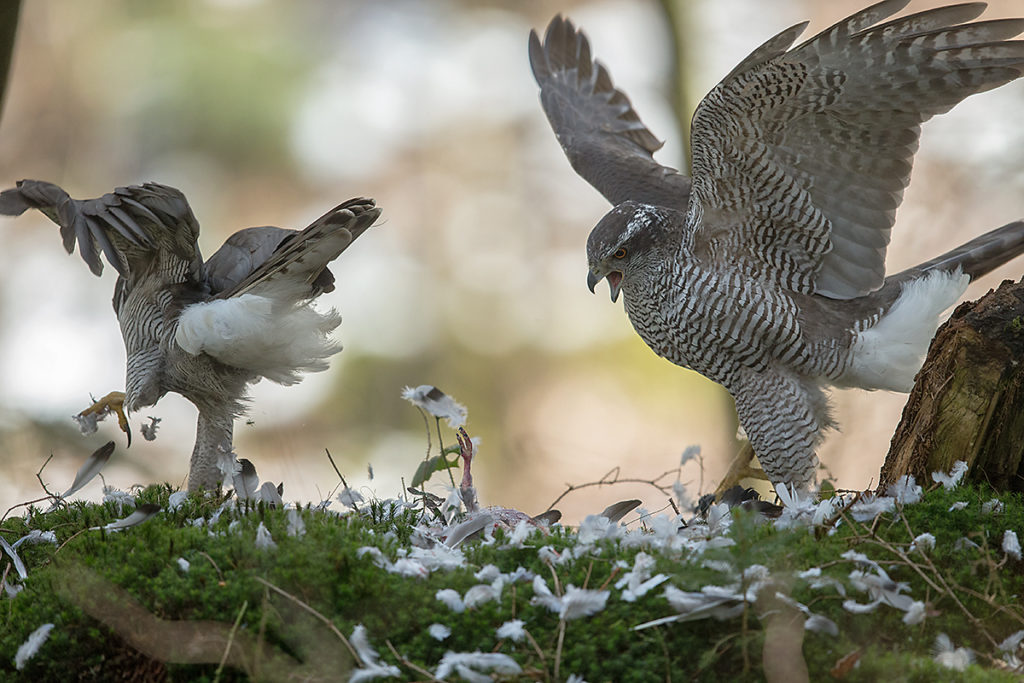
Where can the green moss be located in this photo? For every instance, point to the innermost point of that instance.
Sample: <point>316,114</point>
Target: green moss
<point>972,593</point>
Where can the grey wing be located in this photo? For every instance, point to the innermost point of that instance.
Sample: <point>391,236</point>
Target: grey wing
<point>297,261</point>
<point>597,127</point>
<point>241,254</point>
<point>132,226</point>
<point>800,158</point>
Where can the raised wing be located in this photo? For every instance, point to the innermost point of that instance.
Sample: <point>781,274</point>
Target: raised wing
<point>131,226</point>
<point>800,158</point>
<point>298,261</point>
<point>601,134</point>
<point>241,254</point>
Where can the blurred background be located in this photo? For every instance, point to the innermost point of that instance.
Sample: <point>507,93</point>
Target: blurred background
<point>270,112</point>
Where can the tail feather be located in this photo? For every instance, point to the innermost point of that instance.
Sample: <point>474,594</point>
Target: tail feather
<point>888,354</point>
<point>978,257</point>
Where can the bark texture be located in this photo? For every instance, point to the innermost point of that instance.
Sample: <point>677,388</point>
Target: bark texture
<point>968,400</point>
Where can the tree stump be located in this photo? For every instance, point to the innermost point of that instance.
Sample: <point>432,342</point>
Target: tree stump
<point>968,400</point>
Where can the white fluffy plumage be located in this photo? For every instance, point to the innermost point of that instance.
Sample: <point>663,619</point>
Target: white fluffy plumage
<point>272,336</point>
<point>889,354</point>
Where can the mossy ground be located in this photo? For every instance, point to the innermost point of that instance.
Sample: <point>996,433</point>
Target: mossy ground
<point>972,593</point>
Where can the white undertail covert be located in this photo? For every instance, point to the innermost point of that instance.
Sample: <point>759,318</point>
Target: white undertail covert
<point>889,354</point>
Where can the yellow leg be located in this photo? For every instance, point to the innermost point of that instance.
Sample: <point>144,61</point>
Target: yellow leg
<point>740,469</point>
<point>111,403</point>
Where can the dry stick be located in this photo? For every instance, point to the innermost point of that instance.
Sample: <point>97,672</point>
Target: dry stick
<point>231,640</point>
<point>674,508</point>
<point>611,577</point>
<point>973,619</point>
<point>49,495</point>
<point>341,478</point>
<point>945,588</point>
<point>614,472</point>
<point>586,579</point>
<point>70,538</point>
<point>558,648</point>
<point>328,622</point>
<point>355,505</point>
<point>39,476</point>
<point>540,653</point>
<point>220,576</point>
<point>991,603</point>
<point>418,669</point>
<point>558,585</point>
<point>25,504</point>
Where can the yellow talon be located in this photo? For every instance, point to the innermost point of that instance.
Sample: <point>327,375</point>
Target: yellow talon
<point>740,469</point>
<point>111,403</point>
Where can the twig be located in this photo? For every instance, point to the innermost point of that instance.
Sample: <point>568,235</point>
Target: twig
<point>611,577</point>
<point>540,652</point>
<point>418,669</point>
<point>39,476</point>
<point>558,648</point>
<point>328,622</point>
<point>554,575</point>
<point>25,504</point>
<point>355,505</point>
<point>333,490</point>
<point>586,579</point>
<point>220,576</point>
<point>944,588</point>
<point>614,474</point>
<point>69,539</point>
<point>231,640</point>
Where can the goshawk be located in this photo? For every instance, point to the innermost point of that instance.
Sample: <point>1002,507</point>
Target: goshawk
<point>204,330</point>
<point>766,271</point>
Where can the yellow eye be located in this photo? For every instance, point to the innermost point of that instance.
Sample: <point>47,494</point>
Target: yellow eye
<point>620,252</point>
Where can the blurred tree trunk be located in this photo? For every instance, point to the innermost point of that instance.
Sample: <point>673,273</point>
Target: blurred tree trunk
<point>9,10</point>
<point>968,401</point>
<point>679,14</point>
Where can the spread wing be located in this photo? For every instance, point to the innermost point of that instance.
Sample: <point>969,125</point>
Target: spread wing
<point>800,158</point>
<point>601,134</point>
<point>260,259</point>
<point>141,230</point>
<point>263,279</point>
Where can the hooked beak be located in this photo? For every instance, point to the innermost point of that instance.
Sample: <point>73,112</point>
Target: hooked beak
<point>614,282</point>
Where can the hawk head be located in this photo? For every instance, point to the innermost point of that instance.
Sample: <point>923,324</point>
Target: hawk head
<point>627,239</point>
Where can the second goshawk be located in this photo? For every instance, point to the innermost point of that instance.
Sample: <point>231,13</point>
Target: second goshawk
<point>204,330</point>
<point>766,271</point>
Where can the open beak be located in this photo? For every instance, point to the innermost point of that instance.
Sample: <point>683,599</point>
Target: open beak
<point>614,278</point>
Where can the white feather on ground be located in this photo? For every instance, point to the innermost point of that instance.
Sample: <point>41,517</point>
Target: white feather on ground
<point>275,333</point>
<point>888,355</point>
